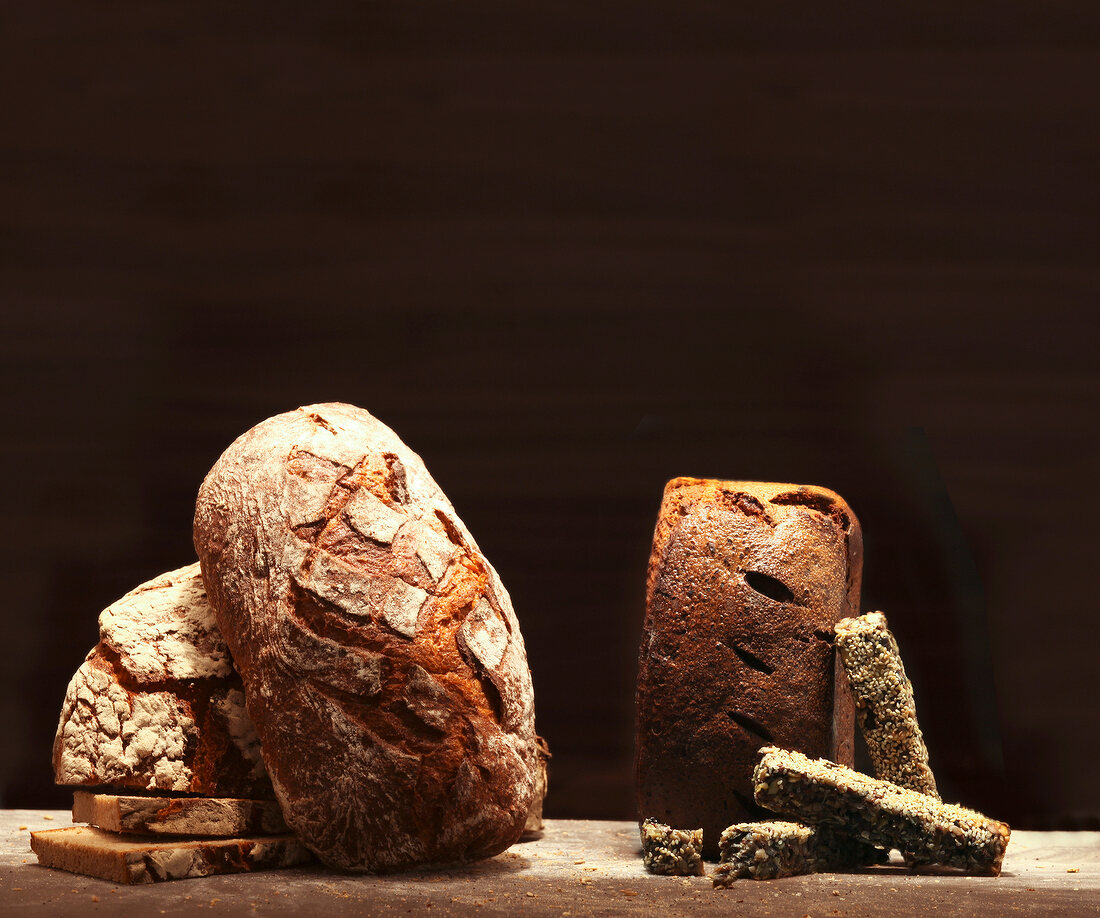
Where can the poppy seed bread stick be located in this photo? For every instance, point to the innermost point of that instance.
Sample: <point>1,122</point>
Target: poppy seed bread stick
<point>818,792</point>
<point>885,708</point>
<point>770,850</point>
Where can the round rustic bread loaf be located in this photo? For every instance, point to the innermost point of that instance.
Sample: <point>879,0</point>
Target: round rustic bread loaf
<point>383,665</point>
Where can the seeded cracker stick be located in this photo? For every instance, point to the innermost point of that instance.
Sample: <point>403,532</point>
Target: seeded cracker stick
<point>818,791</point>
<point>768,850</point>
<point>884,702</point>
<point>674,852</point>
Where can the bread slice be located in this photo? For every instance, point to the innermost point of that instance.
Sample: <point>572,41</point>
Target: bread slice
<point>224,817</point>
<point>134,859</point>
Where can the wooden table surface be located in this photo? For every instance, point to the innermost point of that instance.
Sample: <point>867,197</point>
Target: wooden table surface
<point>577,867</point>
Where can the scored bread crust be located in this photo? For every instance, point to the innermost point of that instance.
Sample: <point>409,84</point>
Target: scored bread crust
<point>745,583</point>
<point>383,664</point>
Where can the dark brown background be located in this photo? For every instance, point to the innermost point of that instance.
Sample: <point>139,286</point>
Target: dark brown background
<point>570,250</point>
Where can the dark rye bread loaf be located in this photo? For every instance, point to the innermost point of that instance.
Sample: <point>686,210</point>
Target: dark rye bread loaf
<point>746,581</point>
<point>383,665</point>
<point>157,705</point>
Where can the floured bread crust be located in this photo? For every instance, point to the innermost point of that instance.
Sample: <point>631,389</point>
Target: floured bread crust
<point>383,664</point>
<point>157,704</point>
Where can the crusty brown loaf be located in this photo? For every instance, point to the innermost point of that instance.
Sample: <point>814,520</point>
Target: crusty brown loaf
<point>383,665</point>
<point>157,704</point>
<point>745,583</point>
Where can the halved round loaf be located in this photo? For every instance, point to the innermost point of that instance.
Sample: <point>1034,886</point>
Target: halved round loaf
<point>383,665</point>
<point>157,705</point>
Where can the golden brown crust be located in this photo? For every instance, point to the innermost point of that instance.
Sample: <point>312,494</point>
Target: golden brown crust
<point>745,583</point>
<point>383,665</point>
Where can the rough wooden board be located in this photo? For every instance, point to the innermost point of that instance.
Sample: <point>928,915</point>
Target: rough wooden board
<point>135,859</point>
<point>543,877</point>
<point>225,817</point>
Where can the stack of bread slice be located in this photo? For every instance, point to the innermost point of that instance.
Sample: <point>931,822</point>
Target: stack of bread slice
<point>156,740</point>
<point>138,839</point>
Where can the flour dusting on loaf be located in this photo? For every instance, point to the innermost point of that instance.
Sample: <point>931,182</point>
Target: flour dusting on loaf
<point>383,664</point>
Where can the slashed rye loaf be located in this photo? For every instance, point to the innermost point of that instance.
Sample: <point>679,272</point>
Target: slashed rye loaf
<point>746,581</point>
<point>157,705</point>
<point>383,665</point>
